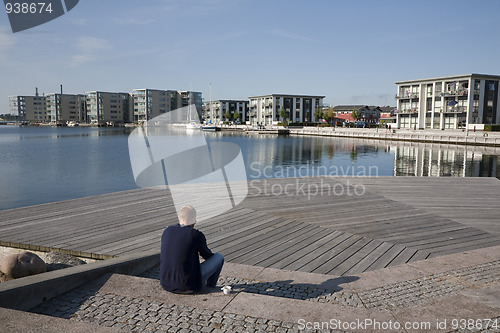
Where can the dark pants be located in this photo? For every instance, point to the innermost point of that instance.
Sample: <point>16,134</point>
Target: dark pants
<point>210,269</point>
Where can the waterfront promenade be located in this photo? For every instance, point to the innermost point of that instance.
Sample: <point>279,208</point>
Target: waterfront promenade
<point>460,137</point>
<point>448,136</point>
<point>397,248</point>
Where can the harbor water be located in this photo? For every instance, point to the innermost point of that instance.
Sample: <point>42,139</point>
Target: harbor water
<point>46,164</point>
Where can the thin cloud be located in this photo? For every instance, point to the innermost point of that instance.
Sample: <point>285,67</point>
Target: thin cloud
<point>88,49</point>
<point>286,34</point>
<point>6,43</point>
<point>75,21</point>
<point>133,21</point>
<point>6,40</point>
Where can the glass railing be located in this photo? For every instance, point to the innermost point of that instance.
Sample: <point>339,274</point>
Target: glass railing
<point>458,92</point>
<point>407,111</point>
<point>456,109</point>
<point>407,95</point>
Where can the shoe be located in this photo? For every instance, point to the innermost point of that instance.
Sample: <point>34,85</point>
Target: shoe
<point>184,292</point>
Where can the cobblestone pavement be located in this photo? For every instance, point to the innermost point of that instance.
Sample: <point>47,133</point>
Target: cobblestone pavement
<point>428,288</point>
<point>138,315</point>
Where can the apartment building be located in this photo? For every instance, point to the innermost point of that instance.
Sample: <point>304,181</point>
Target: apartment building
<point>218,109</point>
<point>451,102</point>
<point>150,103</point>
<point>266,109</point>
<point>108,107</point>
<point>191,97</point>
<point>29,108</point>
<point>187,98</point>
<point>62,108</point>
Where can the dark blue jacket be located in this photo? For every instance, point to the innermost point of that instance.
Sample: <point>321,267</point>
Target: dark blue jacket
<point>179,258</point>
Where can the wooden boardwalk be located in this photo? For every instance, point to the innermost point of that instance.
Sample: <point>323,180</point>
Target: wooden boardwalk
<point>330,225</point>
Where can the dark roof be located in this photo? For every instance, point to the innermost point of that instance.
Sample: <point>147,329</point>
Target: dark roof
<point>348,107</point>
<point>288,95</point>
<point>387,108</point>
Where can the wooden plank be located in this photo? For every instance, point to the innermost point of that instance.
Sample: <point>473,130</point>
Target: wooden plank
<point>419,255</point>
<point>321,253</point>
<point>338,248</point>
<point>403,257</point>
<point>443,237</point>
<point>330,266</point>
<point>272,226</point>
<point>472,244</point>
<point>269,243</point>
<point>363,264</point>
<point>385,259</point>
<point>256,243</point>
<point>452,243</point>
<point>310,251</point>
<point>291,248</point>
<point>356,257</point>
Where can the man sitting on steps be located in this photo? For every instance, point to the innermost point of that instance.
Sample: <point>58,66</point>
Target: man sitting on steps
<point>181,246</point>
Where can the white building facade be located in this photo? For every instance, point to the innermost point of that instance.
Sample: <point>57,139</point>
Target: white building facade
<point>452,102</point>
<point>266,109</point>
<point>215,111</point>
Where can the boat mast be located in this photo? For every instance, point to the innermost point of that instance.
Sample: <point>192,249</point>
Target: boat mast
<point>211,112</point>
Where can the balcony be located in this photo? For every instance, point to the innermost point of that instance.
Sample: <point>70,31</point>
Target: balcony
<point>414,110</point>
<point>456,109</point>
<point>459,92</point>
<point>407,95</point>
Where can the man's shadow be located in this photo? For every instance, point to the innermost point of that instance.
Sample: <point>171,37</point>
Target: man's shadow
<point>288,289</point>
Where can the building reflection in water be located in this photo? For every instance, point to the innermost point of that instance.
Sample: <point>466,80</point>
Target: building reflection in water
<point>299,156</point>
<point>445,160</point>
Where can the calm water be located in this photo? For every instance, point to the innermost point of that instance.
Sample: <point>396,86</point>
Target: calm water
<point>46,164</point>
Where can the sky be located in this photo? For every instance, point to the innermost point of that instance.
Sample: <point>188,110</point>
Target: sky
<point>352,52</point>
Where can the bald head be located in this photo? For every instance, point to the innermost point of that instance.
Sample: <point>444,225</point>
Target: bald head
<point>187,215</point>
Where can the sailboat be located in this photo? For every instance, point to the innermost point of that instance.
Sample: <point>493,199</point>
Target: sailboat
<point>210,126</point>
<point>192,124</point>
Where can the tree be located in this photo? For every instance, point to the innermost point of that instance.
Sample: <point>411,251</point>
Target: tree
<point>355,114</point>
<point>318,113</point>
<point>227,115</point>
<point>236,115</point>
<point>283,114</point>
<point>328,115</point>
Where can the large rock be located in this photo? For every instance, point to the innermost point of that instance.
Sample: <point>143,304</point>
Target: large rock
<point>22,264</point>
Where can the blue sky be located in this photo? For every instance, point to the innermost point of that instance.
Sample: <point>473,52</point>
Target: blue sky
<point>350,51</point>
